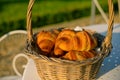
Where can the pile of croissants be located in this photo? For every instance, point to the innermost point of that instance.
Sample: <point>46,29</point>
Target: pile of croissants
<point>67,44</point>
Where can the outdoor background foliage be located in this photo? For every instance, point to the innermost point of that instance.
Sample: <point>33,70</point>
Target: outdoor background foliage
<point>13,12</point>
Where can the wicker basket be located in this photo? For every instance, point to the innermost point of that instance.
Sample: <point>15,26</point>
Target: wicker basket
<point>50,68</point>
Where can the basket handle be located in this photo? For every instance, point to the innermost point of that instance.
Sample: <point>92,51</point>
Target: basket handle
<point>29,18</point>
<point>107,41</point>
<point>107,45</point>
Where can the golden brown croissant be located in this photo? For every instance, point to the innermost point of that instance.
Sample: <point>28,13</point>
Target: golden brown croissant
<point>71,40</point>
<point>74,55</point>
<point>65,40</point>
<point>91,40</point>
<point>58,51</point>
<point>86,41</point>
<point>70,55</point>
<point>90,54</point>
<point>79,55</point>
<point>46,40</point>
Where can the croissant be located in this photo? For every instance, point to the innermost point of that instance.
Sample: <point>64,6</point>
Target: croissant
<point>46,40</point>
<point>70,55</point>
<point>89,54</point>
<point>92,40</point>
<point>79,55</point>
<point>86,41</point>
<point>71,40</point>
<point>58,52</point>
<point>74,55</point>
<point>65,39</point>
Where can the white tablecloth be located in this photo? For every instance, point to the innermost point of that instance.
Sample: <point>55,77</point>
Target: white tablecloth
<point>110,69</point>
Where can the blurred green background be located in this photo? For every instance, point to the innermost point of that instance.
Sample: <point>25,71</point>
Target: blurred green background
<point>45,12</point>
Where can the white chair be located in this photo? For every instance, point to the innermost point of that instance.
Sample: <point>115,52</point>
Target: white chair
<point>119,7</point>
<point>11,44</point>
<point>95,4</point>
<point>15,62</point>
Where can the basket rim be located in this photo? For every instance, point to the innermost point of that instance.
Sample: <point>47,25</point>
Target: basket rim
<point>30,50</point>
<point>64,61</point>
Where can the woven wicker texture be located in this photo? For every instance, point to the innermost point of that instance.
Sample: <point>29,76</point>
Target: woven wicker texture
<point>50,68</point>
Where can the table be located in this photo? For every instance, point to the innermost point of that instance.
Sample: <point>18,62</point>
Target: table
<point>110,69</point>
